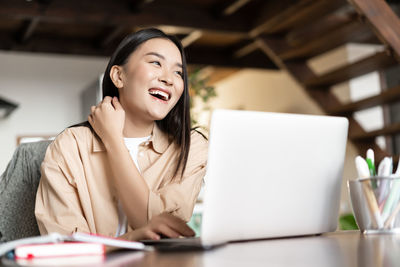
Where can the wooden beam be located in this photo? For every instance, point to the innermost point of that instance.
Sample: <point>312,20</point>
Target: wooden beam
<point>29,29</point>
<point>191,38</point>
<point>281,15</point>
<point>213,74</point>
<point>235,6</point>
<point>104,12</point>
<point>388,96</point>
<point>388,130</point>
<point>353,31</point>
<point>383,20</point>
<point>245,50</point>
<point>54,44</point>
<point>195,55</point>
<point>138,5</point>
<point>305,32</point>
<point>224,58</point>
<point>117,31</point>
<point>372,63</point>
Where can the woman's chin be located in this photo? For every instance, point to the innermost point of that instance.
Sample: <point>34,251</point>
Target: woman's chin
<point>158,116</point>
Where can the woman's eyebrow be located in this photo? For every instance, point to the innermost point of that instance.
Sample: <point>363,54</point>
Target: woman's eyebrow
<point>161,56</point>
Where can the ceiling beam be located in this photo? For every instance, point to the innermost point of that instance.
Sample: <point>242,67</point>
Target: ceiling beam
<point>195,55</point>
<point>117,31</point>
<point>53,44</point>
<point>377,61</point>
<point>191,38</point>
<point>235,6</point>
<point>303,33</point>
<point>103,12</point>
<point>138,5</point>
<point>384,21</point>
<point>354,31</point>
<point>245,50</point>
<point>280,15</point>
<point>224,58</point>
<point>29,29</point>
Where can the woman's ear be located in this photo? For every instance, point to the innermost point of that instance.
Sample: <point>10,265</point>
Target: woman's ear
<point>116,76</point>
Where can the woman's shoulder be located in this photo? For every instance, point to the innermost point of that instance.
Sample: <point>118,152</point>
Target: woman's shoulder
<point>198,142</point>
<point>72,138</point>
<point>74,133</point>
<point>197,136</point>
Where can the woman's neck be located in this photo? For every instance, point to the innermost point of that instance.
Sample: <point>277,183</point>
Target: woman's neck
<point>137,128</point>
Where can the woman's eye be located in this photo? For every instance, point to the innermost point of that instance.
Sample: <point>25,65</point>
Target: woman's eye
<point>156,63</point>
<point>180,73</point>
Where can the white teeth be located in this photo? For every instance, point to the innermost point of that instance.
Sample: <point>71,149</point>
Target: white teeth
<point>164,95</point>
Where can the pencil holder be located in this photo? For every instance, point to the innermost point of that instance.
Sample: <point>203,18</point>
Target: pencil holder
<point>376,204</point>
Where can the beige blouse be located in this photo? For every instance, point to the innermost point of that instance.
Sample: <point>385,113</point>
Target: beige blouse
<point>75,192</point>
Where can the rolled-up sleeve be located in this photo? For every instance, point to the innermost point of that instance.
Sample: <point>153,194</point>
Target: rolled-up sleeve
<point>179,198</point>
<point>58,207</point>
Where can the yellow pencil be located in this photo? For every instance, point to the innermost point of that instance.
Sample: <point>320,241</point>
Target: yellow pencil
<point>363,172</point>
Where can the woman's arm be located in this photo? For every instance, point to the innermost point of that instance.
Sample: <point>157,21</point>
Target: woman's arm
<point>107,119</point>
<point>58,206</point>
<point>138,201</point>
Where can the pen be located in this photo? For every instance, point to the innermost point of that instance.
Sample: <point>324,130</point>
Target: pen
<point>371,166</point>
<point>393,197</point>
<point>363,172</point>
<point>392,216</point>
<point>384,170</point>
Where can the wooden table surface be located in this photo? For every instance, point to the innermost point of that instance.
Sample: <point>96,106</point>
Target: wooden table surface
<point>349,248</point>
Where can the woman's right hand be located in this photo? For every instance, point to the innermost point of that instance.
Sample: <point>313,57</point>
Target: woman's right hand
<point>107,119</point>
<point>164,224</point>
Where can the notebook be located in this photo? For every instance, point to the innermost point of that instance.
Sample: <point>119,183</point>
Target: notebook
<point>269,175</point>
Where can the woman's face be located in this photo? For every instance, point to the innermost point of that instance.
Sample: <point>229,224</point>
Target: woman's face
<point>152,80</point>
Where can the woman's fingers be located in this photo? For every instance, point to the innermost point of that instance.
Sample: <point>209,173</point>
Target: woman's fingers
<point>116,103</point>
<point>107,121</point>
<point>164,229</point>
<point>177,225</point>
<point>113,101</point>
<point>107,100</point>
<point>149,234</point>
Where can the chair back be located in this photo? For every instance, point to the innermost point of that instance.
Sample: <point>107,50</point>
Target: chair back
<point>18,186</point>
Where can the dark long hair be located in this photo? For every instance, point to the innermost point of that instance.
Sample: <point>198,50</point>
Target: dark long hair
<point>177,123</point>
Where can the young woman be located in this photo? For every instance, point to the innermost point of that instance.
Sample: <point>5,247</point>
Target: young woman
<point>136,170</point>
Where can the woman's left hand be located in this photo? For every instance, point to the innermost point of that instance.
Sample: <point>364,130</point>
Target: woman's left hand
<point>164,224</point>
<point>107,120</point>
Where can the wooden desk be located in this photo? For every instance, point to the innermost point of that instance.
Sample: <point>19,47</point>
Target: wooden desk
<point>348,248</point>
<point>342,249</point>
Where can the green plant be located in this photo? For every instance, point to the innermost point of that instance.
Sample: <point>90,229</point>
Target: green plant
<point>347,222</point>
<point>199,88</point>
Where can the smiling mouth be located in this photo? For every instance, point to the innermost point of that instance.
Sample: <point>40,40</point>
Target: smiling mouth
<point>159,94</point>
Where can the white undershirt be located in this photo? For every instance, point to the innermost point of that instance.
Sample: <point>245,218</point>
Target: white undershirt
<point>133,147</point>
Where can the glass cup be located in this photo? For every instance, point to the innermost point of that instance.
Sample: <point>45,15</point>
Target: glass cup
<point>376,204</point>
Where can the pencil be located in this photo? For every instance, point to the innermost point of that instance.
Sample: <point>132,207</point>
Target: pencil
<point>392,216</point>
<point>372,204</point>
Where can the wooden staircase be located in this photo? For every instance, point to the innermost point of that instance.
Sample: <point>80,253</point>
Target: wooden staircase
<point>292,43</point>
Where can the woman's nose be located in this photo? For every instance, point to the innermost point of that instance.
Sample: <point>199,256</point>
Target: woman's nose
<point>166,78</point>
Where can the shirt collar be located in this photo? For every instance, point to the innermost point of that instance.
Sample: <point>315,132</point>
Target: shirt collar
<point>158,138</point>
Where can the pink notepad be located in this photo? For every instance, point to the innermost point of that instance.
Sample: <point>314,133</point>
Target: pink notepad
<point>67,249</point>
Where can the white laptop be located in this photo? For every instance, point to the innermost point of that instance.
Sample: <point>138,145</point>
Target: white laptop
<point>271,175</point>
